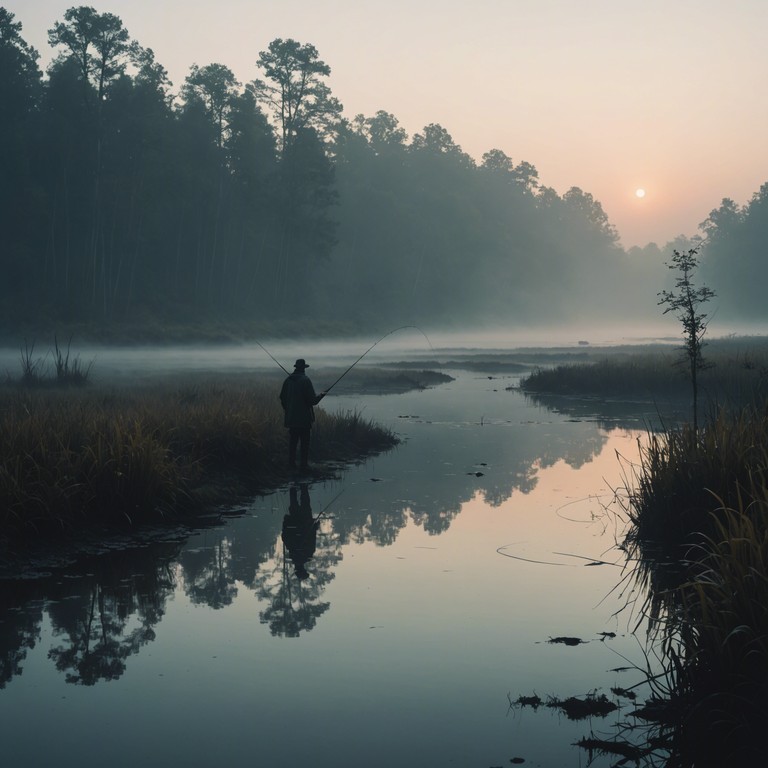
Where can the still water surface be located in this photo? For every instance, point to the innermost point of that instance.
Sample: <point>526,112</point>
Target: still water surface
<point>440,571</point>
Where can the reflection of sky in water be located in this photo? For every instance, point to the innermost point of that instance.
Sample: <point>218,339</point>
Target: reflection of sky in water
<point>421,637</point>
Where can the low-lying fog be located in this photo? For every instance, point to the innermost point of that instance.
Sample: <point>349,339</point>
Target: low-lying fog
<point>407,342</point>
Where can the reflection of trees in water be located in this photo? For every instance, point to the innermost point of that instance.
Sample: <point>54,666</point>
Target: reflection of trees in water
<point>109,614</point>
<point>435,498</point>
<point>96,642</point>
<point>435,518</point>
<point>105,608</point>
<point>111,618</point>
<point>102,611</point>
<point>293,605</point>
<point>293,581</point>
<point>20,628</point>
<point>208,577</point>
<point>608,414</point>
<point>381,526</point>
<point>217,559</point>
<point>523,479</point>
<point>574,454</point>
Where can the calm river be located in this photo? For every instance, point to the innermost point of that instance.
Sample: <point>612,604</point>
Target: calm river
<point>438,573</point>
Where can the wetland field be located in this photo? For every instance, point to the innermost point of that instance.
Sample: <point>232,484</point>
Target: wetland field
<point>405,608</point>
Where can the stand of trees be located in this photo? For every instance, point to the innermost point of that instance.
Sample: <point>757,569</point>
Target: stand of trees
<point>121,201</point>
<point>735,257</point>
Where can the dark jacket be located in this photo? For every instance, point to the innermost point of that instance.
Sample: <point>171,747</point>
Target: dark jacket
<point>297,397</point>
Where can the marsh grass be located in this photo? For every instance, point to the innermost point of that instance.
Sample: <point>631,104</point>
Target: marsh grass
<point>31,367</point>
<point>699,533</point>
<point>685,476</point>
<point>108,458</point>
<point>736,374</point>
<point>711,705</point>
<point>68,370</point>
<point>620,376</point>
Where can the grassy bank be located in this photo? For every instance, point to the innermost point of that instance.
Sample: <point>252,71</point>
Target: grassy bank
<point>108,457</point>
<point>737,373</point>
<point>699,532</point>
<point>687,477</point>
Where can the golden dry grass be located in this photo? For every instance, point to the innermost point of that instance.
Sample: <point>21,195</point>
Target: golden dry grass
<point>107,457</point>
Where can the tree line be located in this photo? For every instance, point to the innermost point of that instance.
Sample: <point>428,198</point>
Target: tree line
<point>121,200</point>
<point>734,257</point>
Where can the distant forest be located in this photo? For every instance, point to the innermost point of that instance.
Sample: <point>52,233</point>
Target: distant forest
<point>261,204</point>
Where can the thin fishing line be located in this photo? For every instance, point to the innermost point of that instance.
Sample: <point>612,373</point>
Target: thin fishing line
<point>402,327</point>
<point>328,505</point>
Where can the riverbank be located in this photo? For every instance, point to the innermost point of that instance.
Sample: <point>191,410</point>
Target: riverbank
<point>115,457</point>
<point>735,372</point>
<point>698,534</point>
<point>697,514</point>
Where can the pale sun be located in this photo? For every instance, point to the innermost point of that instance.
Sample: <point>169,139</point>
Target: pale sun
<point>640,193</point>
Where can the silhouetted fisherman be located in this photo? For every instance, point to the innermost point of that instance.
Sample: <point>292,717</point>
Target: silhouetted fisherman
<point>300,531</point>
<point>297,397</point>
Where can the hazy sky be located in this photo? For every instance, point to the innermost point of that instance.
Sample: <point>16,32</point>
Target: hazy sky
<point>607,95</point>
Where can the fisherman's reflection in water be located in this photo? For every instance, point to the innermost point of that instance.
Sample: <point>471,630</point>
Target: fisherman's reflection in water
<point>300,530</point>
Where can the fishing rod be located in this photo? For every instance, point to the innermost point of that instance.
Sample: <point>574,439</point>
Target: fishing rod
<point>316,520</point>
<point>272,356</point>
<point>401,328</point>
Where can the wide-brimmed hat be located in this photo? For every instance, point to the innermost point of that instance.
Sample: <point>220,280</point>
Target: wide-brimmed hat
<point>301,364</point>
